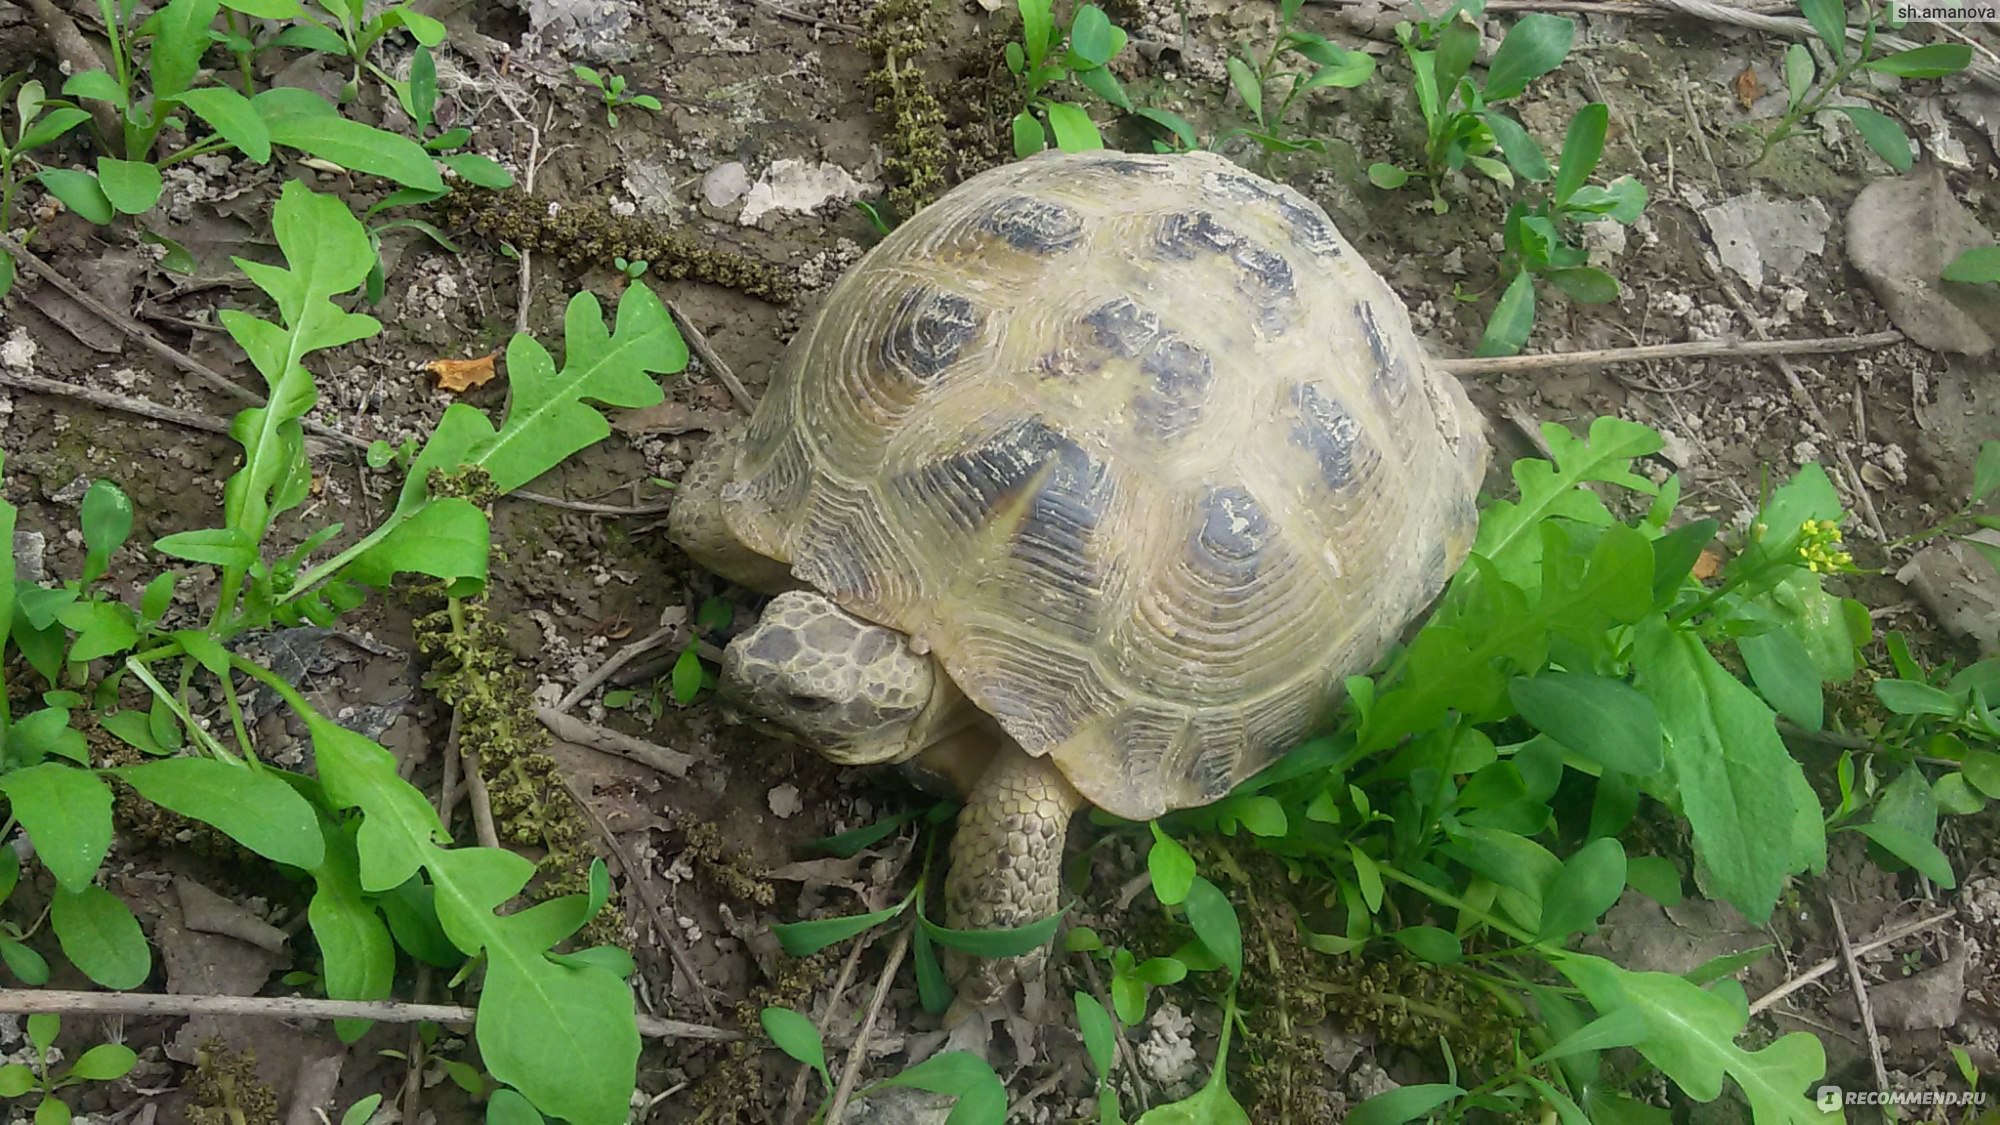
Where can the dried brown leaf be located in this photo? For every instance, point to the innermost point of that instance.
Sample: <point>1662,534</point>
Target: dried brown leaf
<point>459,375</point>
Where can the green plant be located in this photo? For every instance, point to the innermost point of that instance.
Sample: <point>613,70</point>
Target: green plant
<point>1325,65</point>
<point>1045,57</point>
<point>349,32</point>
<point>106,1062</point>
<point>1808,87</point>
<point>1537,239</point>
<point>1461,125</point>
<point>175,38</point>
<point>631,270</point>
<point>611,87</point>
<point>556,1026</point>
<point>36,124</point>
<point>980,1098</point>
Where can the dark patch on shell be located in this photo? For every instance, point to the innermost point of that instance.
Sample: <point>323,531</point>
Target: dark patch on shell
<point>1035,226</point>
<point>1308,224</point>
<point>1179,375</point>
<point>1392,368</point>
<point>1234,533</point>
<point>1326,430</point>
<point>1263,274</point>
<point>1122,327</point>
<point>928,330</point>
<point>1186,234</point>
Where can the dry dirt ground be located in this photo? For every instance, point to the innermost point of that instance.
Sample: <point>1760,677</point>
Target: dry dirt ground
<point>765,137</point>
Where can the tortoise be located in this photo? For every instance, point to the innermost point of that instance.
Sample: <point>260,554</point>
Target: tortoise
<point>1088,485</point>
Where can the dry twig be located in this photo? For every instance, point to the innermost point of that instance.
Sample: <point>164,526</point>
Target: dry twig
<point>619,659</point>
<point>1860,995</point>
<point>1691,349</point>
<point>850,1073</point>
<point>1891,937</point>
<point>604,740</point>
<point>698,344</point>
<point>18,1000</point>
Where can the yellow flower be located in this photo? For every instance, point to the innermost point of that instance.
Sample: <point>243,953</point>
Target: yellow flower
<point>1819,546</point>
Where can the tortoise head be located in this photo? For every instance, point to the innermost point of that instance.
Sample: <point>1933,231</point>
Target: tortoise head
<point>812,673</point>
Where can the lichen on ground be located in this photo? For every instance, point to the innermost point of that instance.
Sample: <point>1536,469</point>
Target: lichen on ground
<point>899,37</point>
<point>586,234</point>
<point>226,1090</point>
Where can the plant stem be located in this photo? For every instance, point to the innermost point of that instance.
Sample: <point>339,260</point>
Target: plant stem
<point>243,66</point>
<point>1446,898</point>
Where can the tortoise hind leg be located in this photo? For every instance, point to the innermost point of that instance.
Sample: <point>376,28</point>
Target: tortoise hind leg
<point>1006,868</point>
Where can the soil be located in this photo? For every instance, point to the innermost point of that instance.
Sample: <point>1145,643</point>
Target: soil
<point>711,859</point>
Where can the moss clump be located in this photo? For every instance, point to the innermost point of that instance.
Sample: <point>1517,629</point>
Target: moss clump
<point>722,864</point>
<point>582,235</point>
<point>226,1090</point>
<point>731,1094</point>
<point>899,36</point>
<point>476,675</point>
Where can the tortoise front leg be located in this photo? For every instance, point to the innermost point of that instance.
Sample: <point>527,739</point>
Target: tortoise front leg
<point>1006,868</point>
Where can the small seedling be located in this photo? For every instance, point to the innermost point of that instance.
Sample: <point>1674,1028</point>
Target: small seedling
<point>612,88</point>
<point>981,1098</point>
<point>632,270</point>
<point>106,1062</point>
<point>1537,237</point>
<point>1324,65</point>
<point>1045,57</point>
<point>1462,127</point>
<point>1809,84</point>
<point>350,33</point>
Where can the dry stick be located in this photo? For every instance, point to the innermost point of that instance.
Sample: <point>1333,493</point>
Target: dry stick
<point>783,12</point>
<point>1979,70</point>
<point>698,344</point>
<point>132,328</point>
<point>482,802</point>
<point>1860,995</point>
<point>851,1072</point>
<point>592,507</point>
<point>1830,964</point>
<point>1804,398</point>
<point>1692,349</point>
<point>618,660</point>
<point>795,1102</point>
<point>656,912</point>
<point>604,740</point>
<point>72,48</point>
<point>19,1000</point>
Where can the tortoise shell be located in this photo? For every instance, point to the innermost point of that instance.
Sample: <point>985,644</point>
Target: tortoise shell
<point>1137,447</point>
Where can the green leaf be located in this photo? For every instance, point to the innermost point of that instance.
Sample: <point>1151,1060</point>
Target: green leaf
<point>266,9</point>
<point>1583,146</point>
<point>1388,177</point>
<point>1934,61</point>
<point>1982,769</point>
<point>233,118</point>
<point>1513,318</point>
<point>1986,473</point>
<point>296,122</point>
<point>1829,19</point>
<point>1603,719</point>
<point>1882,133</point>
<point>477,170</point>
<point>1691,1035</point>
<point>1799,70</point>
<point>1099,1038</point>
<point>310,37</point>
<point>1074,131</point>
<point>1744,797</point>
<point>1587,284</point>
<point>1214,921</point>
<point>1524,156</point>
<point>50,126</point>
<point>1404,1103</point>
<point>1532,48</point>
<point>42,734</point>
<point>96,86</point>
<point>219,546</point>
<point>53,1111</point>
<point>1784,674</point>
<point>79,192</point>
<point>1368,875</point>
<point>16,1079</point>
<point>100,937</point>
<point>1029,138</point>
<point>26,964</point>
<point>67,813</point>
<point>1621,1027</point>
<point>1100,81</point>
<point>448,538</point>
<point>130,186</point>
<point>1589,885</point>
<point>1090,35</point>
<point>981,1098</point>
<point>180,38</point>
<point>1978,264</point>
<point>1905,824</point>
<point>1037,28</point>
<point>995,943</point>
<point>106,1062</point>
<point>1171,868</point>
<point>252,806</point>
<point>1439,947</point>
<point>795,1035</point>
<point>1908,697</point>
<point>1655,877</point>
<point>802,939</point>
<point>1244,81</point>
